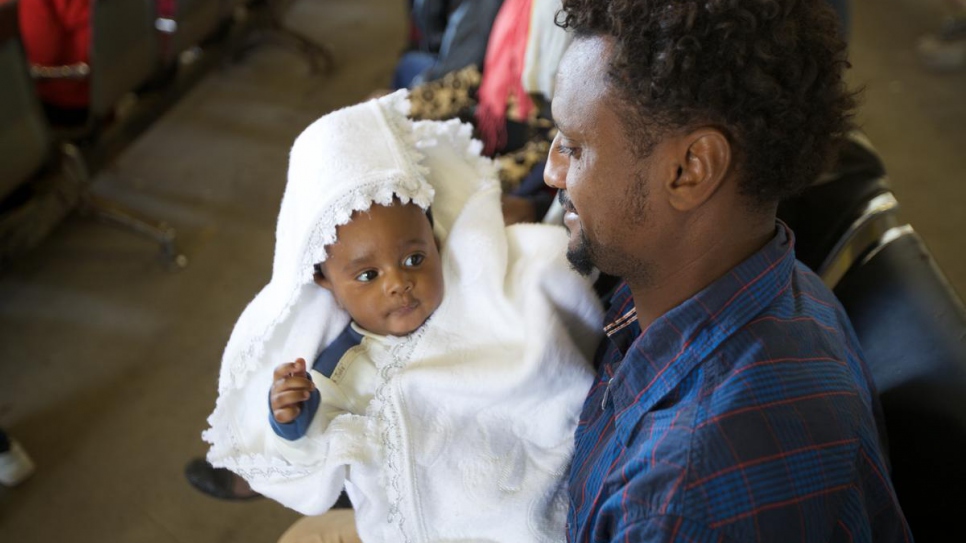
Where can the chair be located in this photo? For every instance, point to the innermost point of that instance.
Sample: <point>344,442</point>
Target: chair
<point>39,183</point>
<point>909,321</point>
<point>847,209</point>
<point>912,327</point>
<point>124,51</point>
<point>124,54</point>
<point>191,23</point>
<point>20,128</point>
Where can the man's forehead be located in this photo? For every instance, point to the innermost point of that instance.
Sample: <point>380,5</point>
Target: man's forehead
<point>588,50</point>
<point>581,77</point>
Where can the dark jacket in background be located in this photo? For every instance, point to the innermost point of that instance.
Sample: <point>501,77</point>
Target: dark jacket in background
<point>456,31</point>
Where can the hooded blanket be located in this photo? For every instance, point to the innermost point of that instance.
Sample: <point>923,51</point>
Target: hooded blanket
<point>470,432</point>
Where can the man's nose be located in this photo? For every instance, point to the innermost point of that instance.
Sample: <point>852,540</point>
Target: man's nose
<point>398,282</point>
<point>555,172</point>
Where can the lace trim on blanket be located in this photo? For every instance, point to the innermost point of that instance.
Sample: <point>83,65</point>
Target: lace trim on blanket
<point>462,135</point>
<point>250,466</point>
<point>246,360</point>
<point>409,185</point>
<point>391,431</point>
<point>380,192</point>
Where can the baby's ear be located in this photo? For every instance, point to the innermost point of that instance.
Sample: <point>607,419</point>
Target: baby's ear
<point>320,278</point>
<point>323,282</point>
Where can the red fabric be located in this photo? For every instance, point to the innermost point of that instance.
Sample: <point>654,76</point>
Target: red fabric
<point>503,73</point>
<point>167,8</point>
<point>56,33</point>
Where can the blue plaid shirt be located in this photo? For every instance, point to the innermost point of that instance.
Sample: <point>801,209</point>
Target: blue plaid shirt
<point>744,414</point>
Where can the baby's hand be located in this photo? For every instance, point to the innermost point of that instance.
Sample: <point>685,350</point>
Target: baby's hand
<point>292,386</point>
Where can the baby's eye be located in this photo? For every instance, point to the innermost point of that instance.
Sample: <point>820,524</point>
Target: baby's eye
<point>366,276</point>
<point>414,260</point>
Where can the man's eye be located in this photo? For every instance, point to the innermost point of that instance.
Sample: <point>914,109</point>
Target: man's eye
<point>366,276</point>
<point>567,151</point>
<point>414,260</point>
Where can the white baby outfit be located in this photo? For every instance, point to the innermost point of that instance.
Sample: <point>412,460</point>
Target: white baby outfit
<point>469,432</point>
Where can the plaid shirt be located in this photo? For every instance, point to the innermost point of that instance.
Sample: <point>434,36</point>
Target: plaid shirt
<point>744,414</point>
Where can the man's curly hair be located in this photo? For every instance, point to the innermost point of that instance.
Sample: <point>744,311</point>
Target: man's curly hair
<point>768,73</point>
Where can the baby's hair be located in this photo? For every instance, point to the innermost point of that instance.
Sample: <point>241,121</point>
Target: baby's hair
<point>317,267</point>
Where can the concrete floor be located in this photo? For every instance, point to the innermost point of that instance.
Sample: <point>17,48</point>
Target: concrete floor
<point>109,362</point>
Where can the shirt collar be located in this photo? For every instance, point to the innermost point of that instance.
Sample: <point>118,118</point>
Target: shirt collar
<point>674,344</point>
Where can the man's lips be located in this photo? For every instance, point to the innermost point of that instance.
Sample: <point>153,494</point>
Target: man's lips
<point>565,202</point>
<point>571,220</point>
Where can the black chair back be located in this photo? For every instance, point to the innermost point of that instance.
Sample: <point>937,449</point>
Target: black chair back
<point>25,140</point>
<point>909,321</point>
<point>124,51</point>
<point>823,215</point>
<point>912,327</point>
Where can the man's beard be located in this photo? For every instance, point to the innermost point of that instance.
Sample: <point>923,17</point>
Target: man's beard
<point>586,256</point>
<point>581,256</point>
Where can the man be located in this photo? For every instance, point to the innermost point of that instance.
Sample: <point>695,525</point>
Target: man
<point>731,401</point>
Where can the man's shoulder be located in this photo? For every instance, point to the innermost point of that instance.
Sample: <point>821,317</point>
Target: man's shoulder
<point>805,323</point>
<point>792,376</point>
<point>783,418</point>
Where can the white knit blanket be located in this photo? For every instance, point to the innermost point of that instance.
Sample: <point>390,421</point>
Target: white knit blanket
<point>470,434</point>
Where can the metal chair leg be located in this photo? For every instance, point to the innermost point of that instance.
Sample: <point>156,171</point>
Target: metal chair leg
<point>158,231</point>
<point>311,50</point>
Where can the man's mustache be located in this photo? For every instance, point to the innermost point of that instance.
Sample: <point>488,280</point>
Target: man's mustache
<point>564,200</point>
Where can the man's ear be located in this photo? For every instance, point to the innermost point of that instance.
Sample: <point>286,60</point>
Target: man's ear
<point>704,161</point>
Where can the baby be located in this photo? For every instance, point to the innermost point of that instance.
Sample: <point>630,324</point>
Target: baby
<point>386,272</point>
<point>445,414</point>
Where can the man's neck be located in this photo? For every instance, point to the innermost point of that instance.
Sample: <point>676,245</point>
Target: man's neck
<point>699,266</point>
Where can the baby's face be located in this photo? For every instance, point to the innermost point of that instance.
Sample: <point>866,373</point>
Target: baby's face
<point>385,269</point>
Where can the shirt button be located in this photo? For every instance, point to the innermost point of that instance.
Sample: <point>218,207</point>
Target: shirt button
<point>603,402</point>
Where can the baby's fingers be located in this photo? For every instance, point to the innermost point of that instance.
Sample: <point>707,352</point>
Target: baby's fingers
<point>290,368</point>
<point>288,398</point>
<point>292,383</point>
<point>285,415</point>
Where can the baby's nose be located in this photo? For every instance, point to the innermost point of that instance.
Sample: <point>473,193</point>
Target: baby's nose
<point>399,283</point>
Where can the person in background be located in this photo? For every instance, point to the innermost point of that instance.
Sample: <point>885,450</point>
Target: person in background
<point>449,35</point>
<point>220,483</point>
<point>57,33</point>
